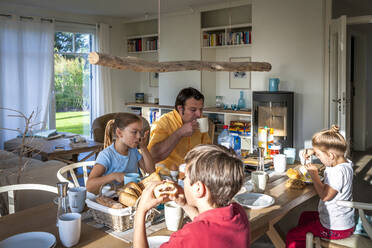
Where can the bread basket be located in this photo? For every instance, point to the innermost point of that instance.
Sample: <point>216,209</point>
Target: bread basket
<point>117,219</point>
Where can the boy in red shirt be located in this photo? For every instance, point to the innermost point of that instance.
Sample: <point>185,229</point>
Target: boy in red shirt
<point>212,177</point>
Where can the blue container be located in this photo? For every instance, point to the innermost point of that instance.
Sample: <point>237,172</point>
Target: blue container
<point>274,84</point>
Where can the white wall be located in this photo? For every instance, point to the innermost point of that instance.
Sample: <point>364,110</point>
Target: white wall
<point>289,35</point>
<point>179,40</point>
<point>231,96</point>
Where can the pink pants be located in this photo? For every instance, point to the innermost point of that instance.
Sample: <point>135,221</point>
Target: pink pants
<point>309,222</point>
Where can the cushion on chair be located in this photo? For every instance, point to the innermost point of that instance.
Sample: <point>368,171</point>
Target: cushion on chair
<point>354,240</point>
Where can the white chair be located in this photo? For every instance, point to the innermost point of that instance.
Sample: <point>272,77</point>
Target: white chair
<point>63,177</point>
<point>11,188</point>
<point>354,240</point>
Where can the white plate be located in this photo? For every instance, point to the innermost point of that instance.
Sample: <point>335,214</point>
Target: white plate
<point>157,241</point>
<point>32,239</point>
<point>254,200</point>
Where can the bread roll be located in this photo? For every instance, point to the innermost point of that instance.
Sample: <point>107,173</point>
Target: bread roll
<point>135,186</point>
<point>165,188</point>
<point>127,199</point>
<point>293,174</point>
<point>129,190</point>
<point>108,202</point>
<point>154,177</point>
<point>295,184</point>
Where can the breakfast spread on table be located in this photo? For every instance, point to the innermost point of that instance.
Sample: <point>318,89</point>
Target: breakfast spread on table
<point>298,176</point>
<point>127,195</point>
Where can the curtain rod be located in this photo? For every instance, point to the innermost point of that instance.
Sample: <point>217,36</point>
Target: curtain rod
<point>51,20</point>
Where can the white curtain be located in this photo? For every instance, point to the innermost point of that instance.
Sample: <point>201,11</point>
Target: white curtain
<point>26,71</point>
<point>101,90</point>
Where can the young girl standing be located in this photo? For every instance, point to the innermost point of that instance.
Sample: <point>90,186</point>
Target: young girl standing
<point>330,221</point>
<point>121,156</point>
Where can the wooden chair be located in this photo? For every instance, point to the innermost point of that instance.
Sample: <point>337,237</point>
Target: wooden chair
<point>68,173</point>
<point>354,240</point>
<point>211,130</point>
<point>11,188</point>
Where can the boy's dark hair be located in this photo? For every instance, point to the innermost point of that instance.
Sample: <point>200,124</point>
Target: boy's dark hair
<point>187,93</point>
<point>220,170</point>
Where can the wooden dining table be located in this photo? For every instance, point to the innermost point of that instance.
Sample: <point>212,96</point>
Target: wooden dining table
<point>43,218</point>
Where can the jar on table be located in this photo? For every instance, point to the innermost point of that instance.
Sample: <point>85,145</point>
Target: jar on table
<point>219,103</point>
<point>274,149</point>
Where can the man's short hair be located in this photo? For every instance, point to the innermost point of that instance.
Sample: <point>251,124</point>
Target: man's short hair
<point>219,169</point>
<point>187,93</point>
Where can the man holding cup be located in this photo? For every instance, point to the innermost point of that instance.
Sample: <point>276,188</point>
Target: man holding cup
<point>177,132</point>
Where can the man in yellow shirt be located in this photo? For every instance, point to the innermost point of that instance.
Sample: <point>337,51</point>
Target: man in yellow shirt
<point>177,132</point>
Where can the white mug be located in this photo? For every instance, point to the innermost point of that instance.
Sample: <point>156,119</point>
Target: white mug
<point>259,181</point>
<point>173,216</point>
<point>203,124</point>
<point>280,163</point>
<point>76,198</point>
<point>69,228</point>
<point>174,174</point>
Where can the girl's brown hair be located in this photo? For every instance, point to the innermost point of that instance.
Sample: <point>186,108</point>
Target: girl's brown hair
<point>330,139</point>
<point>120,121</point>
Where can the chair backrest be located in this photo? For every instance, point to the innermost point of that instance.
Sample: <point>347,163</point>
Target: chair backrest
<point>211,130</point>
<point>99,125</point>
<point>70,171</point>
<point>361,206</point>
<point>11,188</point>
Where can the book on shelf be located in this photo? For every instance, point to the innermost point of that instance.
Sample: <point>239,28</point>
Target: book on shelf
<point>229,38</point>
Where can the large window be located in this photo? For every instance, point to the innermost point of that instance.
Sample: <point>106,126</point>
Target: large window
<point>72,82</point>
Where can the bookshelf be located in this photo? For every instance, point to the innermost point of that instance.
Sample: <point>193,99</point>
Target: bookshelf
<point>143,43</point>
<point>239,35</point>
<point>142,36</point>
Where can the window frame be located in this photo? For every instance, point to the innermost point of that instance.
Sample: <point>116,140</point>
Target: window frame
<point>81,29</point>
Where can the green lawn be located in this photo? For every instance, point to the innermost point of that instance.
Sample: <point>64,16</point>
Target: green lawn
<point>73,122</point>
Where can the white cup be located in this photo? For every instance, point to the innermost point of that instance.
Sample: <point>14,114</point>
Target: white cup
<point>76,198</point>
<point>69,227</point>
<point>174,174</point>
<point>173,216</point>
<point>280,163</point>
<point>259,181</point>
<point>203,124</point>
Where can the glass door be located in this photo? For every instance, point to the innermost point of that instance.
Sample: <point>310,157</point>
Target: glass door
<point>71,110</point>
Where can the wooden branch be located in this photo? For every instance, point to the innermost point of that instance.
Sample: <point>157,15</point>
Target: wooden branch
<point>140,65</point>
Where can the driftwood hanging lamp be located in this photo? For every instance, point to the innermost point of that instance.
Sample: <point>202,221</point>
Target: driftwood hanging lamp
<point>140,65</point>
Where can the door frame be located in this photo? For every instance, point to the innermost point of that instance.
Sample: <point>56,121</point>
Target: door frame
<point>360,59</point>
<point>328,20</point>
